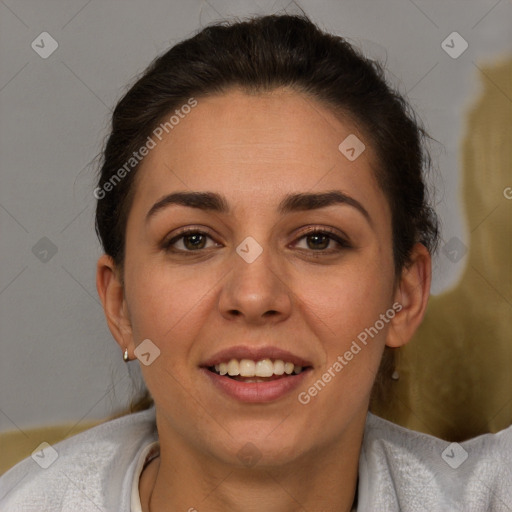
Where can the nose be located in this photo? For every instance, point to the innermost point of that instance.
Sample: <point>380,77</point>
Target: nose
<point>257,292</point>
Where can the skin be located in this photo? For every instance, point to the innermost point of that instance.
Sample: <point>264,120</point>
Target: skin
<point>254,150</point>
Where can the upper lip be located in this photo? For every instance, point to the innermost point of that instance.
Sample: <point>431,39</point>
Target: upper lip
<point>256,354</point>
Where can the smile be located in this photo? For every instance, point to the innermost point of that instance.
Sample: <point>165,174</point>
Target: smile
<point>244,369</point>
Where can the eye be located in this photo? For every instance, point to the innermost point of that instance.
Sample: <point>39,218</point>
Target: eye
<point>323,240</point>
<point>320,240</point>
<point>189,240</point>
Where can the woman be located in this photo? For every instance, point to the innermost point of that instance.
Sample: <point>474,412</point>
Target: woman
<point>268,243</point>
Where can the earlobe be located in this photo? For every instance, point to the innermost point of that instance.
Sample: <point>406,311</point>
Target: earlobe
<point>111,293</point>
<point>412,295</point>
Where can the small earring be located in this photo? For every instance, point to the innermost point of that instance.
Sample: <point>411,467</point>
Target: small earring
<point>126,357</point>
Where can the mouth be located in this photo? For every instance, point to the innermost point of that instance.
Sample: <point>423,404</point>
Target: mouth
<point>263,370</point>
<point>256,375</point>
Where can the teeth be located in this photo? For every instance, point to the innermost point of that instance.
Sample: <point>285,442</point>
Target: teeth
<point>247,368</point>
<point>233,368</point>
<point>262,368</point>
<point>279,367</point>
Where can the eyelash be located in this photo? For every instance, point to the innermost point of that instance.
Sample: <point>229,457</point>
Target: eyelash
<point>342,243</point>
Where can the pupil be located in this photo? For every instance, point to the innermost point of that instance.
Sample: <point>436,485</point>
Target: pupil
<point>317,237</point>
<point>197,237</point>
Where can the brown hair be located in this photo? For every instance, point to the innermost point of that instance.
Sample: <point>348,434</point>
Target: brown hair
<point>259,55</point>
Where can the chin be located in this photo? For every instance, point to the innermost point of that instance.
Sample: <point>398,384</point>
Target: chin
<point>246,447</point>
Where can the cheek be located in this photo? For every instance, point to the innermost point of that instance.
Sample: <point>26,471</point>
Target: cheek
<point>163,300</point>
<point>349,298</point>
<point>167,306</point>
<point>345,314</point>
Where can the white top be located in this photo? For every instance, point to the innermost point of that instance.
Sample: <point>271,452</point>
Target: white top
<point>399,470</point>
<point>146,456</point>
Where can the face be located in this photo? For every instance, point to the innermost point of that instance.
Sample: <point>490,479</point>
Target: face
<point>268,277</point>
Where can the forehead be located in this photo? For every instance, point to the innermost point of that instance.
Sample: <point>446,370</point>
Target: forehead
<point>261,144</point>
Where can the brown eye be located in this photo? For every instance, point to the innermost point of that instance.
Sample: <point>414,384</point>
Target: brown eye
<point>194,241</point>
<point>318,241</point>
<point>322,240</point>
<point>187,241</point>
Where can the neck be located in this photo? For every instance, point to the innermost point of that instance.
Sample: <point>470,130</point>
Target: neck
<point>181,479</point>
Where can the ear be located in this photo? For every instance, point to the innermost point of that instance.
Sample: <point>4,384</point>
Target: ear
<point>111,292</point>
<point>412,293</point>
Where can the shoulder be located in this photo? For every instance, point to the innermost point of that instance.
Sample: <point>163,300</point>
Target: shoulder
<point>90,471</point>
<point>406,470</point>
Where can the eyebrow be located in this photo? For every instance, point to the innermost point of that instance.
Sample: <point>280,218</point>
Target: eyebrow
<point>214,202</point>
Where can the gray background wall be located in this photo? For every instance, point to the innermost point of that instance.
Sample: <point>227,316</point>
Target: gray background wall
<point>58,361</point>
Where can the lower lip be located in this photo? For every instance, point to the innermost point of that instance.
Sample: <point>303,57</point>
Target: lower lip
<point>256,392</point>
